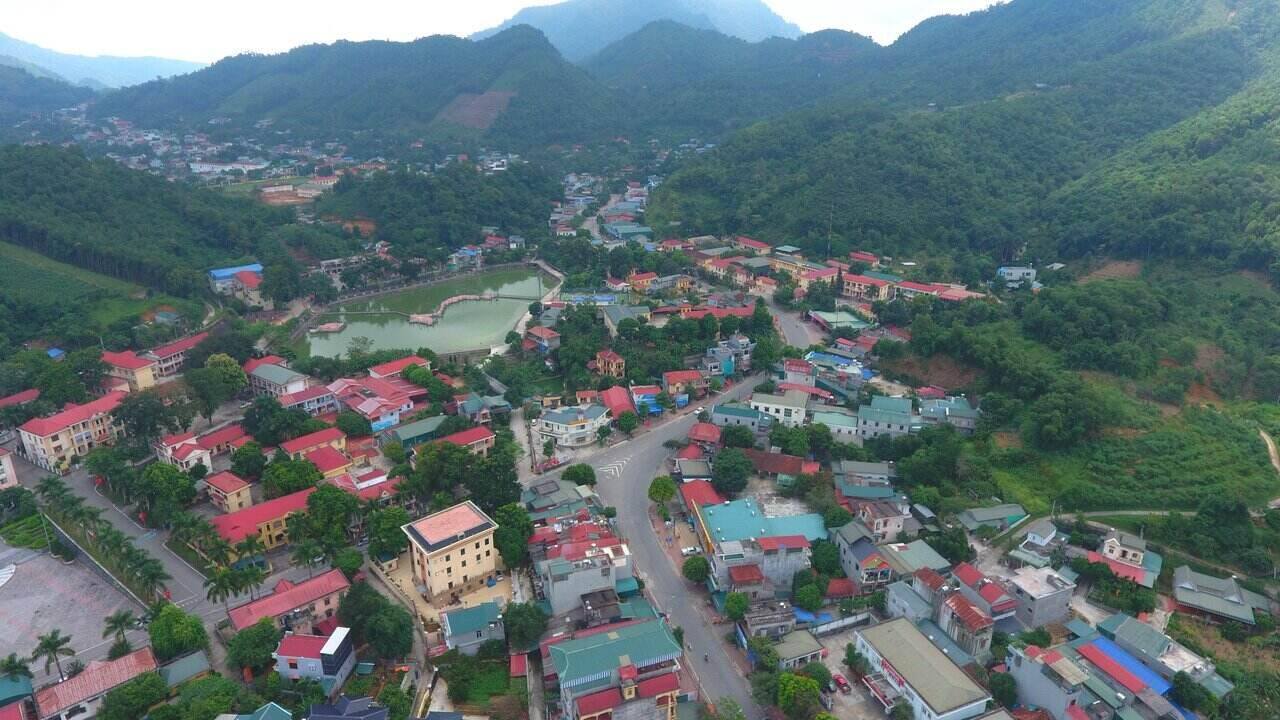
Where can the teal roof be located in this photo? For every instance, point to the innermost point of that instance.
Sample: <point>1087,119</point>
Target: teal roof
<point>637,608</point>
<point>1216,684</point>
<point>866,492</point>
<point>597,656</point>
<point>835,419</point>
<point>883,276</point>
<point>270,711</point>
<point>743,518</point>
<point>1099,687</point>
<point>626,586</point>
<point>906,558</point>
<point>891,404</point>
<point>736,410</point>
<point>1079,628</point>
<point>12,688</point>
<point>974,518</point>
<point>1140,636</point>
<point>469,620</point>
<point>423,428</point>
<point>276,374</point>
<point>185,668</point>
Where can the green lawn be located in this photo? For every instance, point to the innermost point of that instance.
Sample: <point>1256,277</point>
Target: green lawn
<point>494,679</point>
<point>36,278</point>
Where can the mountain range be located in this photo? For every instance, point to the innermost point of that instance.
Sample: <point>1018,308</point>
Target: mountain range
<point>581,28</point>
<point>98,72</point>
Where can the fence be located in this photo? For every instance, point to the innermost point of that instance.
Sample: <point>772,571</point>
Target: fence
<point>66,537</point>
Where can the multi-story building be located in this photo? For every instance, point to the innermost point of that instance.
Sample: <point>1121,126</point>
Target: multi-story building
<point>396,367</point>
<point>8,476</point>
<point>618,672</point>
<point>183,451</point>
<point>887,416</point>
<point>294,606</point>
<point>223,280</point>
<point>966,624</point>
<point>170,358</point>
<point>271,380</point>
<point>1043,596</point>
<point>541,339</point>
<point>381,401</point>
<point>1049,680</point>
<point>53,442</point>
<point>326,660</point>
<point>610,364</point>
<point>298,447</point>
<point>314,400</point>
<point>954,411</point>
<point>737,414</point>
<point>859,556</point>
<point>987,594</point>
<point>467,629</point>
<point>869,289</point>
<point>477,440</point>
<point>138,371</point>
<point>581,570</point>
<point>777,558</point>
<point>573,427</point>
<point>266,520</point>
<point>789,408</point>
<point>906,667</point>
<point>452,551</point>
<point>228,492</point>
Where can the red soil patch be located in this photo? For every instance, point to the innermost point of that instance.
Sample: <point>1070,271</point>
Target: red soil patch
<point>941,370</point>
<point>1115,269</point>
<point>1201,394</point>
<point>477,112</point>
<point>283,199</point>
<point>1007,439</point>
<point>366,226</point>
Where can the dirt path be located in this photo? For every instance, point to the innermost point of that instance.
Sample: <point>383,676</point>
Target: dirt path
<point>1275,459</point>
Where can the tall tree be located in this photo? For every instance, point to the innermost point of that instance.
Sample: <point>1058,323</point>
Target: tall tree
<point>51,647</point>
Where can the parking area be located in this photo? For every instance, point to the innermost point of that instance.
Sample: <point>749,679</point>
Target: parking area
<point>858,704</point>
<point>45,594</point>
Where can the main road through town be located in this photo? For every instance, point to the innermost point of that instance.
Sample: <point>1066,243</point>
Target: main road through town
<point>624,472</point>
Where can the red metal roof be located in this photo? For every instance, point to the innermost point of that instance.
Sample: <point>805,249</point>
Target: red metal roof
<point>705,432</point>
<point>841,588</point>
<point>864,280</point>
<point>973,618</point>
<point>692,451</point>
<point>545,333</point>
<point>236,526</point>
<point>227,482</point>
<point>25,396</point>
<point>179,346</point>
<point>746,574</point>
<point>395,367</point>
<point>775,463</point>
<point>641,277</point>
<point>607,355</point>
<point>618,400</point>
<point>599,701</point>
<point>222,436</point>
<point>252,363</point>
<point>326,459</point>
<point>1123,570</point>
<point>783,542</point>
<point>97,678</point>
<point>310,393</point>
<point>301,646</point>
<point>811,390</point>
<point>797,365</point>
<point>745,241</point>
<point>321,437</point>
<point>249,279</point>
<point>930,578</point>
<point>287,598</point>
<point>660,685</point>
<point>700,492</point>
<point>73,415</point>
<point>864,256</point>
<point>466,438</point>
<point>681,376</point>
<point>1115,670</point>
<point>968,574</point>
<point>126,359</point>
<point>519,665</point>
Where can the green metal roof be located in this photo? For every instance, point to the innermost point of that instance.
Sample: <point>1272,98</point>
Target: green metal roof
<point>866,492</point>
<point>582,660</point>
<point>469,620</point>
<point>1142,639</point>
<point>1099,687</point>
<point>1220,596</point>
<point>12,688</point>
<point>276,375</point>
<point>934,676</point>
<point>626,586</point>
<point>906,558</point>
<point>891,404</point>
<point>1079,627</point>
<point>835,419</point>
<point>418,428</point>
<point>797,644</point>
<point>743,518</point>
<point>736,410</point>
<point>270,711</point>
<point>185,668</point>
<point>1216,684</point>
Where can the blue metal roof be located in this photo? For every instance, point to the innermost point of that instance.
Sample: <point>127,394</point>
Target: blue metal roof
<point>224,273</point>
<point>1158,685</point>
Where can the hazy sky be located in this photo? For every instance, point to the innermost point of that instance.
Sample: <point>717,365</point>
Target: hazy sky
<point>207,31</point>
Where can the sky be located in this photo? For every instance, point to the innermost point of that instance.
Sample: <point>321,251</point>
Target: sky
<point>205,32</point>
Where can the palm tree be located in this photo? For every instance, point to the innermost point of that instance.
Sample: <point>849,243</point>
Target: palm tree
<point>182,527</point>
<point>151,576</point>
<point>51,647</point>
<point>305,553</point>
<point>221,585</point>
<point>118,623</point>
<point>14,667</point>
<point>250,547</point>
<point>249,578</point>
<point>52,488</point>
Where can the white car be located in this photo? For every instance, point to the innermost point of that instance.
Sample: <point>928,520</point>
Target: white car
<point>691,550</point>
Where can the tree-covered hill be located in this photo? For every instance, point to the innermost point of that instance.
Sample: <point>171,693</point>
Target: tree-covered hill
<point>23,94</point>
<point>513,87</point>
<point>119,222</point>
<point>1032,96</point>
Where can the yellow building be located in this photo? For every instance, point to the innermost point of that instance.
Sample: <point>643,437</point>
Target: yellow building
<point>228,492</point>
<point>268,520</point>
<point>139,372</point>
<point>452,551</point>
<point>51,442</point>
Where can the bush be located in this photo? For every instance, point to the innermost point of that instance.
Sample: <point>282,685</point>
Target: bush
<point>696,569</point>
<point>174,632</point>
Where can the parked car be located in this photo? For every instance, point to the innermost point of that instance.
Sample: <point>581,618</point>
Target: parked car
<point>691,550</point>
<point>841,683</point>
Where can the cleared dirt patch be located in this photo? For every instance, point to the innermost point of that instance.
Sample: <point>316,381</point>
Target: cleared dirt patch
<point>1007,439</point>
<point>941,370</point>
<point>477,112</point>
<point>1114,270</point>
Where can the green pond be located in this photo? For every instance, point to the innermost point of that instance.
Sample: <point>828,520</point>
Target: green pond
<point>468,325</point>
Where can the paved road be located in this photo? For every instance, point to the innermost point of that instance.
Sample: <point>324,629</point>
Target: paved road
<point>795,330</point>
<point>624,472</point>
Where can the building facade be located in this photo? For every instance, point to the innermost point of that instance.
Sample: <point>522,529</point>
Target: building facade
<point>53,442</point>
<point>452,551</point>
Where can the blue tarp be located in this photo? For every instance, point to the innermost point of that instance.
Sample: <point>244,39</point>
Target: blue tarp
<point>804,616</point>
<point>1158,685</point>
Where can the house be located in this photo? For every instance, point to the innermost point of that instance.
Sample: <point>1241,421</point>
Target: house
<point>771,619</point>
<point>866,288</point>
<point>618,401</point>
<point>315,400</point>
<point>348,709</point>
<point>1013,276</point>
<point>621,671</point>
<point>984,592</point>
<point>737,414</point>
<point>554,498</point>
<point>575,571</point>
<point>1161,653</point>
<point>1123,547</point>
<point>731,356</point>
<point>966,625</point>
<point>749,580</point>
<point>418,432</point>
<point>183,451</point>
<point>477,440</point>
<point>294,606</point>
<point>381,401</point>
<point>452,551</point>
<point>614,315</point>
<point>799,372</point>
<point>1043,595</point>
<point>998,517</point>
<point>1216,599</point>
<point>53,442</point>
<point>81,696</point>
<point>705,434</point>
<point>640,281</point>
<point>906,667</point>
<point>859,556</point>
<point>797,649</point>
<point>266,520</point>
<point>610,364</point>
<point>773,464</point>
<point>953,411</point>
<point>298,447</point>
<point>1040,534</point>
<point>1128,557</point>
<point>573,427</point>
<point>331,463</point>
<point>1050,680</point>
<point>883,518</point>
<point>890,416</point>
<point>224,281</point>
<point>864,473</point>
<point>8,476</point>
<point>270,711</point>
<point>465,630</point>
<point>682,383</point>
<point>789,408</point>
<point>907,558</point>
<point>542,339</point>
<point>223,440</point>
<point>739,533</point>
<point>138,371</point>
<point>269,380</point>
<point>170,358</point>
<point>326,660</point>
<point>228,492</point>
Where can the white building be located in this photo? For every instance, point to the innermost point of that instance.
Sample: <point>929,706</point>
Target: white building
<point>574,426</point>
<point>906,667</point>
<point>789,408</point>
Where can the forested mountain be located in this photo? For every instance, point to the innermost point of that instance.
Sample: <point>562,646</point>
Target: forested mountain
<point>23,94</point>
<point>1048,115</point>
<point>580,28</point>
<point>94,71</point>
<point>513,87</point>
<point>120,222</point>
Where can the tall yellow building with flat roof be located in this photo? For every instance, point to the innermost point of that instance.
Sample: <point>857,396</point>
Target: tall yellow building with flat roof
<point>452,551</point>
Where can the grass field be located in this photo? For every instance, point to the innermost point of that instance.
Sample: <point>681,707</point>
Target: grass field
<point>33,277</point>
